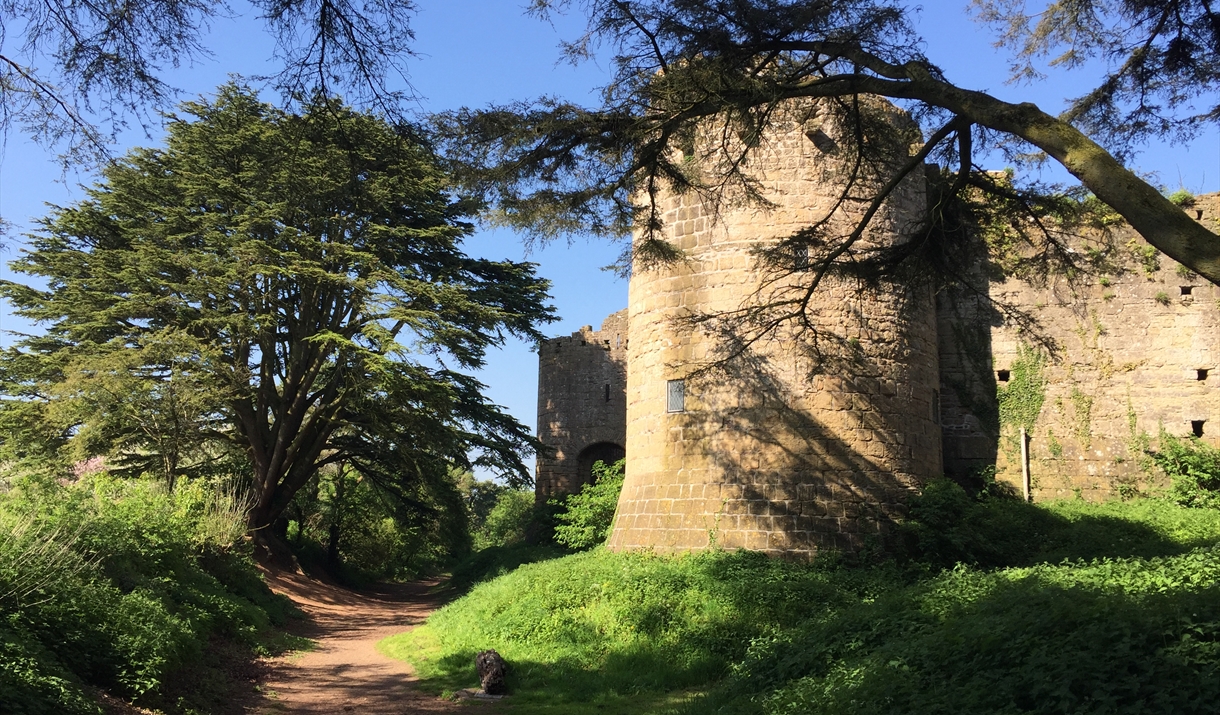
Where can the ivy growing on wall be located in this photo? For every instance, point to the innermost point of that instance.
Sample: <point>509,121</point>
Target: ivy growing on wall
<point>1146,256</point>
<point>1020,400</point>
<point>1054,445</point>
<point>1082,426</point>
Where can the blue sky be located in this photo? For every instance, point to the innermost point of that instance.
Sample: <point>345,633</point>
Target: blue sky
<point>475,52</point>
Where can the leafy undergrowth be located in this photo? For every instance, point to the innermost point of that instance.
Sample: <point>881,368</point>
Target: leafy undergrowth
<point>497,561</point>
<point>990,607</point>
<point>124,588</point>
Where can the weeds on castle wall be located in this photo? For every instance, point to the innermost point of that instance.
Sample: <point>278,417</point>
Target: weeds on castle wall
<point>1020,400</point>
<point>1182,197</point>
<point>1053,445</point>
<point>1082,414</point>
<point>1138,440</point>
<point>1145,255</point>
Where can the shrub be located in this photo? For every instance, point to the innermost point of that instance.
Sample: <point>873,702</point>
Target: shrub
<point>360,532</point>
<point>33,682</point>
<point>508,522</point>
<point>586,517</point>
<point>1193,468</point>
<point>1128,635</point>
<point>117,585</point>
<point>947,527</point>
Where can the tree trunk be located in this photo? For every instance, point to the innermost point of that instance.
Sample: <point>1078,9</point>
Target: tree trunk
<point>335,529</point>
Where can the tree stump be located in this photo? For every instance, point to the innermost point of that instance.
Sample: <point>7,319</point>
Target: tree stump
<point>492,669</point>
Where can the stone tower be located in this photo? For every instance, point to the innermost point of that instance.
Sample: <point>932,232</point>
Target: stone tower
<point>811,442</point>
<point>582,407</point>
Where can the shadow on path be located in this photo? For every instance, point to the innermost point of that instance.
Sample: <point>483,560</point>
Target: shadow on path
<point>345,673</point>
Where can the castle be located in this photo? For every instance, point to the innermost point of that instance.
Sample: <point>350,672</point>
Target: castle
<point>818,439</point>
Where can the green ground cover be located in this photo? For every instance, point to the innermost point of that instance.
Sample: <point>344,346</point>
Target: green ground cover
<point>121,586</point>
<point>981,606</point>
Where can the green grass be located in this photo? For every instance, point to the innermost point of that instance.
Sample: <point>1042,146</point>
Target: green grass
<point>600,630</point>
<point>993,606</point>
<point>497,561</point>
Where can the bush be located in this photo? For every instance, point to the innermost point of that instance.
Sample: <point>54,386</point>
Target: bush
<point>508,522</point>
<point>1193,468</point>
<point>360,532</point>
<point>1127,635</point>
<point>33,682</point>
<point>586,517</point>
<point>117,585</point>
<point>947,527</point>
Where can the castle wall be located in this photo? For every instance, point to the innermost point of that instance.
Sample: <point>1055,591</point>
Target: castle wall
<point>582,408</point>
<point>808,442</point>
<point>817,441</point>
<point>1123,349</point>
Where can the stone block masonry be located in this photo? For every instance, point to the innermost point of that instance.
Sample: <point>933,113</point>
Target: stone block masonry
<point>818,436</point>
<point>1121,352</point>
<point>582,407</point>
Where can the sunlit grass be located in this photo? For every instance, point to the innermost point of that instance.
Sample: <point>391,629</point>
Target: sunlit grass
<point>1092,588</point>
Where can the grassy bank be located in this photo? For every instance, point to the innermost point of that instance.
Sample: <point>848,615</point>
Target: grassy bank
<point>996,606</point>
<point>122,587</point>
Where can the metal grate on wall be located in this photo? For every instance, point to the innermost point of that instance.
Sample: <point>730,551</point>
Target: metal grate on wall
<point>675,395</point>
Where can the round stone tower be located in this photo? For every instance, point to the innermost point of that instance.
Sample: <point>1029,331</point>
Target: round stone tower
<point>814,436</point>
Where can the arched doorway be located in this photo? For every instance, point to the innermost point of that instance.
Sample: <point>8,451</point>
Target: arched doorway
<point>607,452</point>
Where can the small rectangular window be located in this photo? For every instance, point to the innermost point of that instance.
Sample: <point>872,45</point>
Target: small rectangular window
<point>1196,426</point>
<point>1186,290</point>
<point>1002,375</point>
<point>1201,374</point>
<point>675,396</point>
<point>936,406</point>
<point>607,390</point>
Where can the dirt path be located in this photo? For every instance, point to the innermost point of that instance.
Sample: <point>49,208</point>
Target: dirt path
<point>345,673</point>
